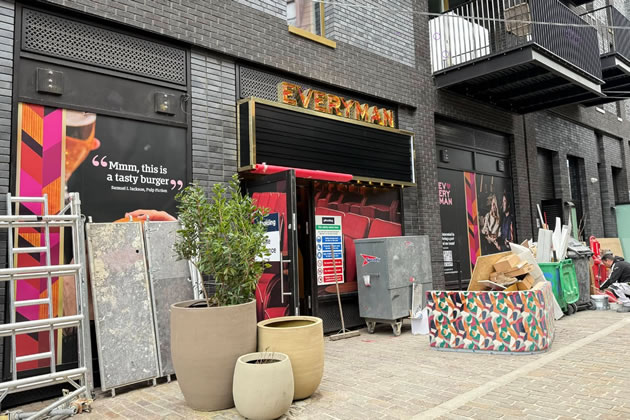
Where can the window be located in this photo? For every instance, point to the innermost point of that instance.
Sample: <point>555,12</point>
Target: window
<point>306,18</point>
<point>577,179</point>
<point>617,181</point>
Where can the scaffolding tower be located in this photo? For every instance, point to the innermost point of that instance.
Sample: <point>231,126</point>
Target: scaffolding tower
<point>81,376</point>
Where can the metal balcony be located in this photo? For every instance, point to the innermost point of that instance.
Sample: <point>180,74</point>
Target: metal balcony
<point>614,49</point>
<point>518,55</point>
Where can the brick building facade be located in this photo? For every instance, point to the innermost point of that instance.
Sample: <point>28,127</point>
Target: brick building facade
<point>382,55</point>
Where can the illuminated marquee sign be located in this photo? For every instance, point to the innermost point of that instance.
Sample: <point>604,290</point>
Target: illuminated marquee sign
<point>291,94</point>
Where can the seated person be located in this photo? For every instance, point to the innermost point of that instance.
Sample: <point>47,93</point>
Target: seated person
<point>618,278</point>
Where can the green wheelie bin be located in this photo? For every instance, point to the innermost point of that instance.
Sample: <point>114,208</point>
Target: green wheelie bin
<point>564,283</point>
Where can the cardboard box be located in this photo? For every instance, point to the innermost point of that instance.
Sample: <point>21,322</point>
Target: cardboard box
<point>525,269</point>
<point>512,288</point>
<point>529,281</point>
<point>507,263</point>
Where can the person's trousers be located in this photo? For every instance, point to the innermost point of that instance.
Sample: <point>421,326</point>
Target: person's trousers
<point>622,291</point>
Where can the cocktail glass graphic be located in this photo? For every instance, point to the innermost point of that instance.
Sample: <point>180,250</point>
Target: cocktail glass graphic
<point>80,140</point>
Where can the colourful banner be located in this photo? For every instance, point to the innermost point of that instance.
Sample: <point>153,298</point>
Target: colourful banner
<point>40,170</point>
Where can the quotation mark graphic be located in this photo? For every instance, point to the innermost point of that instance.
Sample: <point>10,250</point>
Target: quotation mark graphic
<point>177,183</point>
<point>102,163</point>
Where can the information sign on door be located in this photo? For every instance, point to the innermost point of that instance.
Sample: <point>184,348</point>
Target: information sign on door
<point>329,249</point>
<point>272,223</point>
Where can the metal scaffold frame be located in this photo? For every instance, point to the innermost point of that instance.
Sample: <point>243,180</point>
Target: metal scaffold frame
<point>81,377</point>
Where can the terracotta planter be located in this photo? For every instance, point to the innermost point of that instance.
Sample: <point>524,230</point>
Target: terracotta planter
<point>302,339</point>
<point>263,391</point>
<point>205,344</point>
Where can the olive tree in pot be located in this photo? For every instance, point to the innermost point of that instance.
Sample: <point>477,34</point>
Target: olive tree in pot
<point>222,238</point>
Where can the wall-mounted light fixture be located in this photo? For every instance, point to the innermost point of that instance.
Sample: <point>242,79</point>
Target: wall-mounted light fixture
<point>594,180</point>
<point>165,103</point>
<point>444,155</point>
<point>49,81</point>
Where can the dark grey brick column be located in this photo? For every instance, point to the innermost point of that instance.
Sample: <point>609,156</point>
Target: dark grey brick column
<point>429,221</point>
<point>213,118</point>
<point>523,161</point>
<point>535,176</point>
<point>7,19</point>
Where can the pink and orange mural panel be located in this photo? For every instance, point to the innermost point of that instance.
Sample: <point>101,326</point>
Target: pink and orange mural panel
<point>40,170</point>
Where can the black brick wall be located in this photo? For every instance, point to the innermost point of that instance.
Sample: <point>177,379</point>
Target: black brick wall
<point>248,35</point>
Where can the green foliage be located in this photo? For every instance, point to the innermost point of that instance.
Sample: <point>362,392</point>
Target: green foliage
<point>221,237</point>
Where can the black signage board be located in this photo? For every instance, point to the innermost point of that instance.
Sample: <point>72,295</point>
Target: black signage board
<point>312,140</point>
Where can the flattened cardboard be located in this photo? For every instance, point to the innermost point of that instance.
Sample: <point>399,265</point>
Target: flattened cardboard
<point>614,244</point>
<point>507,263</point>
<point>483,268</point>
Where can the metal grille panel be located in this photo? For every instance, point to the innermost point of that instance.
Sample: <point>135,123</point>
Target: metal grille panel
<point>265,86</point>
<point>58,37</point>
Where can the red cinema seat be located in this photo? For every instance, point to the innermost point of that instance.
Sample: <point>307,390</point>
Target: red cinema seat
<point>381,211</point>
<point>261,294</point>
<point>324,198</point>
<point>272,311</point>
<point>276,312</point>
<point>354,227</point>
<point>321,193</point>
<point>356,208</point>
<point>348,200</point>
<point>335,204</point>
<point>382,228</point>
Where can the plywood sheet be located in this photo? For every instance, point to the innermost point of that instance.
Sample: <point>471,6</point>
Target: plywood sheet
<point>170,284</point>
<point>483,268</point>
<point>614,244</point>
<point>122,304</point>
<point>623,227</point>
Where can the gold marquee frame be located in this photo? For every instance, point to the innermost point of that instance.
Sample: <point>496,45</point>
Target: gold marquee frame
<point>252,101</point>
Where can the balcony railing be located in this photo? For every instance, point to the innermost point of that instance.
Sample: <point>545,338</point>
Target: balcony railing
<point>608,22</point>
<point>480,29</point>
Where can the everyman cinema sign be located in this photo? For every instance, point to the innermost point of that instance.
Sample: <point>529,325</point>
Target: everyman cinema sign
<point>316,100</point>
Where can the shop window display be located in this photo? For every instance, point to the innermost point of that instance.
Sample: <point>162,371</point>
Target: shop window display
<point>366,212</point>
<point>363,211</point>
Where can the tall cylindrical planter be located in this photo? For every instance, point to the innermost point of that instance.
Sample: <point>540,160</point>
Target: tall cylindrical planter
<point>263,385</point>
<point>205,344</point>
<point>302,339</point>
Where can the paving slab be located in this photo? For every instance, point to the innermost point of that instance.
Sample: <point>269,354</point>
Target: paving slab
<point>379,376</point>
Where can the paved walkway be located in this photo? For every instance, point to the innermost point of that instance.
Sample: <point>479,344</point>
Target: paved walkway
<point>384,377</point>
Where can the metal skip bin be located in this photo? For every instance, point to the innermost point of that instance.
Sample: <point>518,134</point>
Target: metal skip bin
<point>392,273</point>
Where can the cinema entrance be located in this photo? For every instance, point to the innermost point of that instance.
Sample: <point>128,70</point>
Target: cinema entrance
<point>326,181</point>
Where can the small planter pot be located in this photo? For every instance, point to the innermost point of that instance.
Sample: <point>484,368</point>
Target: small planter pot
<point>205,344</point>
<point>263,385</point>
<point>302,339</point>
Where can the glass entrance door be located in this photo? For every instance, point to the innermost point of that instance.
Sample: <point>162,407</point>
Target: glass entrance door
<point>277,290</point>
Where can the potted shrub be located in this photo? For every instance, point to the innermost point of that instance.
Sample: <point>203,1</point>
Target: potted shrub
<point>263,385</point>
<point>221,238</point>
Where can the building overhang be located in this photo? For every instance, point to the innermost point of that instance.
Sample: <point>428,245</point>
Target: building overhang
<point>522,80</point>
<point>616,75</point>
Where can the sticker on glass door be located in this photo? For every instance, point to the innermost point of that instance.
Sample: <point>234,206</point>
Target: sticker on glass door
<point>329,249</point>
